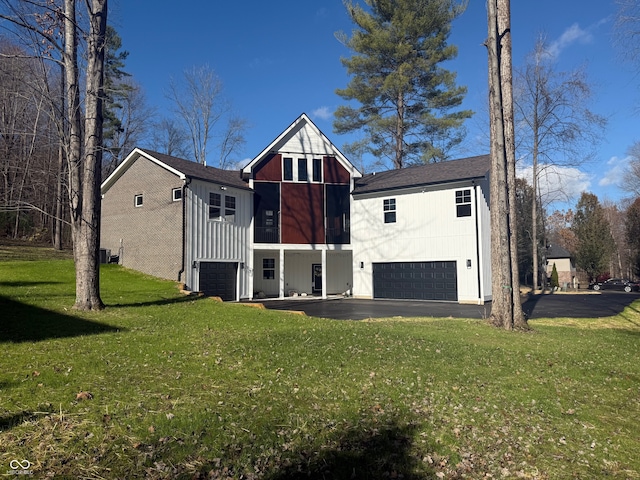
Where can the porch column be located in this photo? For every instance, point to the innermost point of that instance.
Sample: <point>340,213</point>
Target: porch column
<point>324,272</point>
<point>281,270</point>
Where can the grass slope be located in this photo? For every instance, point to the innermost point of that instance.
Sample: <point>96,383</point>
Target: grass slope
<point>185,387</point>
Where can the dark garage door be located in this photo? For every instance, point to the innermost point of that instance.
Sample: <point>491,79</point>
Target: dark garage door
<point>218,279</point>
<point>416,280</point>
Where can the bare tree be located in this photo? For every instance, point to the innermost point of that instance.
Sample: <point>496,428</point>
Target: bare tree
<point>631,180</point>
<point>557,127</point>
<point>627,30</point>
<point>197,98</point>
<point>53,32</point>
<point>506,309</point>
<point>169,138</point>
<point>133,118</point>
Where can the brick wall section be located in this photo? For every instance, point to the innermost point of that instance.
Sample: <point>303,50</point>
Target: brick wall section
<point>152,234</point>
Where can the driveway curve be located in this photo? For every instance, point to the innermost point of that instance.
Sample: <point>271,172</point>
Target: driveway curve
<point>592,305</point>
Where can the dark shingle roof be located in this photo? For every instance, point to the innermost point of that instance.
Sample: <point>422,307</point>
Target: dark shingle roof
<point>191,169</point>
<point>556,251</point>
<point>422,175</point>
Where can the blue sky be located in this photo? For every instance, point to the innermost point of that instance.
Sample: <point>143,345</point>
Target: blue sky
<point>281,58</point>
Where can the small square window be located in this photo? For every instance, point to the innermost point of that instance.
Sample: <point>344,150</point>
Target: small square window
<point>176,194</point>
<point>463,203</point>
<point>137,200</point>
<point>389,207</point>
<point>268,268</point>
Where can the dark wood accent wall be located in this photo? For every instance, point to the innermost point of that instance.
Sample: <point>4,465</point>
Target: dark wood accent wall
<point>334,172</point>
<point>302,213</point>
<point>270,169</point>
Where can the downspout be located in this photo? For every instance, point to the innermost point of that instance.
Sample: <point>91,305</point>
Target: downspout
<point>475,202</point>
<point>185,185</point>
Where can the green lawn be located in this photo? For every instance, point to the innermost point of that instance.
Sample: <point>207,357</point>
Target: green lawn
<point>186,387</point>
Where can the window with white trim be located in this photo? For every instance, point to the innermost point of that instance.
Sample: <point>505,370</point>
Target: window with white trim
<point>268,268</point>
<point>222,207</point>
<point>176,194</point>
<point>138,200</point>
<point>463,203</point>
<point>229,208</point>
<point>389,208</point>
<point>287,168</point>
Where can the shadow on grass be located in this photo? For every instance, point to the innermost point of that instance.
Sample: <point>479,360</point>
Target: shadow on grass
<point>10,420</point>
<point>26,323</point>
<point>384,452</point>
<point>26,284</point>
<point>164,301</point>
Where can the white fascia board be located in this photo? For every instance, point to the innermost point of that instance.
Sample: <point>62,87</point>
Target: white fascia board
<point>298,122</point>
<point>126,163</point>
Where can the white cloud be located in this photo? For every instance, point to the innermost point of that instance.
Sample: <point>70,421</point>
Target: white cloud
<point>557,183</point>
<point>323,113</point>
<point>616,170</point>
<point>573,34</point>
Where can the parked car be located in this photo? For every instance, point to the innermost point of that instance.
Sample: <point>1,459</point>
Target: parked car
<point>616,284</point>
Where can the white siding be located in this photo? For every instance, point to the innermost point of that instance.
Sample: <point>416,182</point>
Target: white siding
<point>426,229</point>
<point>215,240</point>
<point>306,140</point>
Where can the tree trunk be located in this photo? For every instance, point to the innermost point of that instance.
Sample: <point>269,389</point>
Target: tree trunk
<point>84,173</point>
<point>506,77</point>
<point>87,248</point>
<point>506,310</point>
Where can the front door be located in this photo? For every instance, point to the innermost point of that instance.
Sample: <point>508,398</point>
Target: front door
<point>317,277</point>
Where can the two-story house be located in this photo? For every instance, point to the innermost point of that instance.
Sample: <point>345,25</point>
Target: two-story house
<point>180,220</point>
<point>300,219</point>
<point>301,214</point>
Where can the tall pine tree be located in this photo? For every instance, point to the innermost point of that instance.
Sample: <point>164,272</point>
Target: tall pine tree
<point>407,100</point>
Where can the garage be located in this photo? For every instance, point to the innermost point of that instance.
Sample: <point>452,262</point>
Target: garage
<point>218,279</point>
<point>416,280</point>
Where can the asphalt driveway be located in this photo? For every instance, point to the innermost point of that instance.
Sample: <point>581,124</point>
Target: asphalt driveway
<point>592,305</point>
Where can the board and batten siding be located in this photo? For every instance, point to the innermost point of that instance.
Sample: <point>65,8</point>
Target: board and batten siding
<point>306,141</point>
<point>218,240</point>
<point>426,229</point>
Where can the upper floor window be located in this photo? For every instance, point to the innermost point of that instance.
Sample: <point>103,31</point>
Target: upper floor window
<point>229,208</point>
<point>302,170</point>
<point>389,207</point>
<point>176,194</point>
<point>463,203</point>
<point>215,204</point>
<point>317,170</point>
<point>216,210</point>
<point>305,169</point>
<point>137,200</point>
<point>287,167</point>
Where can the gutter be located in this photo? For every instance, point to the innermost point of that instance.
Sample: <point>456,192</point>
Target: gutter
<point>185,186</point>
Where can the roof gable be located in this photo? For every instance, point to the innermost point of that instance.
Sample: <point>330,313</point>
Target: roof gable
<point>178,166</point>
<point>556,251</point>
<point>302,137</point>
<point>422,175</point>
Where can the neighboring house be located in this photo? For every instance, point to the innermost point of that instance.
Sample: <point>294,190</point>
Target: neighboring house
<point>180,220</point>
<point>565,266</point>
<point>302,214</point>
<point>300,219</point>
<point>424,232</point>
